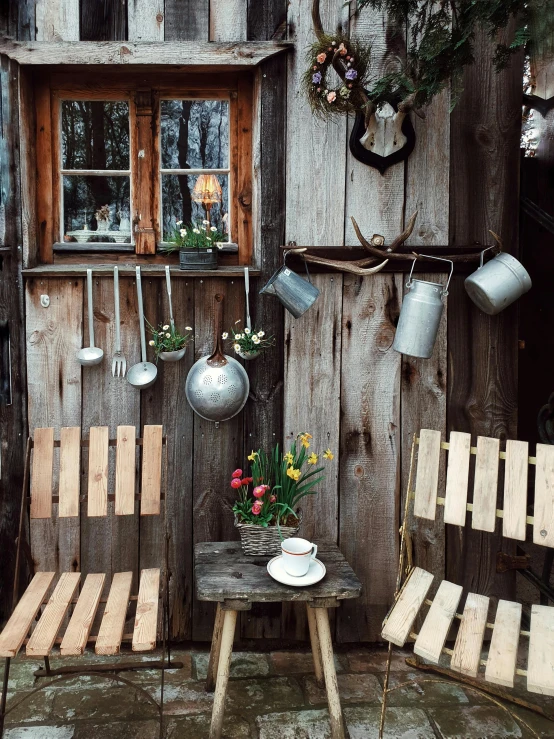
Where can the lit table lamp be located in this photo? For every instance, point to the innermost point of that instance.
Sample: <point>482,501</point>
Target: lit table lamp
<point>207,191</point>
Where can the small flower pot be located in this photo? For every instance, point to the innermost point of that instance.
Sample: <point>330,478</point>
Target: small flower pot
<point>265,541</point>
<point>172,356</point>
<point>249,355</point>
<point>198,258</point>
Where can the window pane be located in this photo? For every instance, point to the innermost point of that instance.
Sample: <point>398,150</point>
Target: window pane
<point>195,134</point>
<point>95,134</point>
<point>84,196</point>
<point>177,204</point>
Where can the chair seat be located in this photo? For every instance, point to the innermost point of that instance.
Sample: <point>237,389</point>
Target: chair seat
<point>500,664</point>
<point>49,628</point>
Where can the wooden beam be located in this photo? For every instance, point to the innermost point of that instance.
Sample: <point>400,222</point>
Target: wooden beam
<point>190,55</point>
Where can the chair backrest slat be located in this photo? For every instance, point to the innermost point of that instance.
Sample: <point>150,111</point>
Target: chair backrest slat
<point>151,470</point>
<point>41,480</point>
<point>543,526</point>
<point>125,471</point>
<point>515,490</point>
<point>70,477</point>
<point>427,474</point>
<point>457,478</point>
<point>485,484</point>
<point>98,471</point>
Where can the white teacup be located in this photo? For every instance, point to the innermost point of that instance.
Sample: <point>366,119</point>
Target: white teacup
<point>297,555</point>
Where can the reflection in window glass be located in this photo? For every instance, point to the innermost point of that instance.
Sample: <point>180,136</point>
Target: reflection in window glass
<point>195,134</point>
<point>95,134</point>
<point>96,209</point>
<point>179,206</point>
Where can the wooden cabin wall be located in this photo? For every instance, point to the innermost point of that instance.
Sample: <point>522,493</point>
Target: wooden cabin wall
<point>333,372</point>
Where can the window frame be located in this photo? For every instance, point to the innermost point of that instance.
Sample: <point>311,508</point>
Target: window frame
<point>143,94</point>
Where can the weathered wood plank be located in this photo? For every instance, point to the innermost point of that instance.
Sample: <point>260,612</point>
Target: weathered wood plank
<point>97,491</point>
<point>485,486</point>
<point>457,478</point>
<point>502,657</point>
<point>267,19</point>
<point>469,641</point>
<point>165,404</point>
<point>70,462</point>
<point>187,20</point>
<point>514,521</point>
<point>212,496</point>
<point>540,668</point>
<point>370,449</point>
<point>76,636</point>
<point>151,470</point>
<point>28,168</point>
<point>406,609</point>
<point>41,474</point>
<point>427,479</point>
<point>312,404</point>
<point>228,20</point>
<point>57,21</point>
<point>543,526</point>
<point>24,613</point>
<point>125,463</point>
<point>103,20</point>
<point>145,20</point>
<point>436,626</point>
<point>113,620</point>
<point>202,54</point>
<point>45,632</point>
<point>54,336</point>
<point>146,619</point>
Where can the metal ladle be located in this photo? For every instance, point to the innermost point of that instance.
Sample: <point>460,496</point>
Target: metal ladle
<point>143,374</point>
<point>89,355</point>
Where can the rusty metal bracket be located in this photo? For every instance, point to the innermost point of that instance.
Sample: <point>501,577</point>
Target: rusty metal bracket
<point>506,562</point>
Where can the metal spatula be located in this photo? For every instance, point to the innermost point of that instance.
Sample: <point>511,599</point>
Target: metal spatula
<point>119,363</point>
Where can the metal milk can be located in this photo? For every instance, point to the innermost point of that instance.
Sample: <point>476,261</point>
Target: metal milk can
<point>420,315</point>
<point>498,284</point>
<point>293,291</point>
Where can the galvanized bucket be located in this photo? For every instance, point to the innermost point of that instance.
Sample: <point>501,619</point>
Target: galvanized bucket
<point>420,315</point>
<point>498,283</point>
<point>293,291</point>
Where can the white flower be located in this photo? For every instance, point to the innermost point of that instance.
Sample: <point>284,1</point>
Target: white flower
<point>247,331</point>
<point>203,228</point>
<point>168,336</point>
<point>208,238</point>
<point>196,231</point>
<point>183,232</point>
<point>151,342</point>
<point>225,335</point>
<point>236,347</point>
<point>213,228</point>
<point>188,328</point>
<point>206,223</point>
<point>261,333</point>
<point>255,339</point>
<point>238,336</point>
<point>178,223</point>
<point>165,327</point>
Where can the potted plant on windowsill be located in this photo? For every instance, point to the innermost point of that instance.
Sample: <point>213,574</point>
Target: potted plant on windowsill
<point>168,344</point>
<point>248,343</point>
<point>196,245</point>
<point>271,513</point>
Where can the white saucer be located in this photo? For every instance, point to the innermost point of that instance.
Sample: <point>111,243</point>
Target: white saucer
<point>316,572</point>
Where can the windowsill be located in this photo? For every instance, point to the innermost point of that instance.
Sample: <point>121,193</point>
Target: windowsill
<point>128,270</point>
<point>71,247</point>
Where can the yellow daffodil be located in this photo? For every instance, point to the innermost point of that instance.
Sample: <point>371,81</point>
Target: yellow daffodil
<point>252,456</point>
<point>305,439</point>
<point>312,459</point>
<point>293,473</point>
<point>288,458</point>
<point>328,454</point>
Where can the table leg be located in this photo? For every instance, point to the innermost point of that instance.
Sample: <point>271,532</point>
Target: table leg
<point>338,729</point>
<point>316,650</point>
<point>214,650</point>
<point>223,669</point>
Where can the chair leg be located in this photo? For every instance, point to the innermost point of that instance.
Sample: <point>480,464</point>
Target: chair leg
<point>223,669</point>
<point>316,649</point>
<point>338,728</point>
<point>4,694</point>
<point>214,650</point>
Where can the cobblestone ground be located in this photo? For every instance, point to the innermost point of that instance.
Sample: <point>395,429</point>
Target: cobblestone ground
<point>270,696</point>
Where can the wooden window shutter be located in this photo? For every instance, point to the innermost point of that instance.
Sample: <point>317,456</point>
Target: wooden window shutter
<point>146,229</point>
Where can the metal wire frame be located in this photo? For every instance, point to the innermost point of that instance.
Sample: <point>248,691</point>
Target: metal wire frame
<point>110,670</point>
<point>406,551</point>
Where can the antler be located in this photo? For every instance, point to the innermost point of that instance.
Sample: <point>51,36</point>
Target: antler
<point>356,267</point>
<point>398,241</point>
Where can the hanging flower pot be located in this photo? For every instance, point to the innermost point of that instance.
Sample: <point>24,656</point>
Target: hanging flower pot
<point>420,315</point>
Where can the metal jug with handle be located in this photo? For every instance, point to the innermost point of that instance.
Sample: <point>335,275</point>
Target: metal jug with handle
<point>497,284</point>
<point>420,315</point>
<point>295,293</point>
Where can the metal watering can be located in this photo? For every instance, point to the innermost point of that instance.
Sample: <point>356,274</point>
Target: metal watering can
<point>498,283</point>
<point>293,291</point>
<point>420,315</point>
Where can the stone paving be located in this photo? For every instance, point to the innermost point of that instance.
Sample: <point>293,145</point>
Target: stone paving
<point>270,696</point>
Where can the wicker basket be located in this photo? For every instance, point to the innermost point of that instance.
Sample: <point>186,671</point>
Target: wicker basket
<point>265,540</point>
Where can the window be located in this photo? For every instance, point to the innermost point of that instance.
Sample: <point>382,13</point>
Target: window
<point>129,160</point>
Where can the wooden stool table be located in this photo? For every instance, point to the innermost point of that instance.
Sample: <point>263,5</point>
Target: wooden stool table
<point>235,580</point>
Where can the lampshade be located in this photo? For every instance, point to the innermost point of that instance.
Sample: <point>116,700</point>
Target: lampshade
<point>207,189</point>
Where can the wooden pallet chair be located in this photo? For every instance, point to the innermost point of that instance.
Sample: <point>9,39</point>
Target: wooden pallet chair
<point>52,611</point>
<point>414,583</point>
